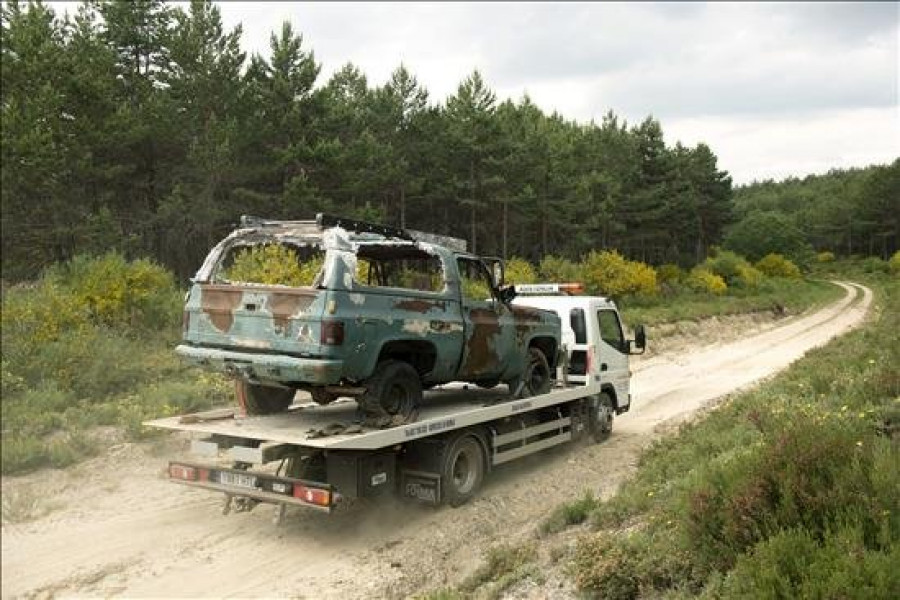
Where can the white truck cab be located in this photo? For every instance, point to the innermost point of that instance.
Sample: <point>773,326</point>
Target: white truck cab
<point>592,335</point>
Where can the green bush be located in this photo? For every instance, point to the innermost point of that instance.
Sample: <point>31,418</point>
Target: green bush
<point>733,269</point>
<point>610,274</point>
<point>775,265</point>
<point>669,273</point>
<point>570,514</point>
<point>825,257</point>
<point>873,264</point>
<point>894,263</point>
<point>559,270</point>
<point>519,270</point>
<point>703,281</point>
<point>795,564</point>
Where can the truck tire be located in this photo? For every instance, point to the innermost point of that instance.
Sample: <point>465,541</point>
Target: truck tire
<point>263,399</point>
<point>321,397</point>
<point>600,417</point>
<point>462,470</point>
<point>537,375</point>
<point>393,394</point>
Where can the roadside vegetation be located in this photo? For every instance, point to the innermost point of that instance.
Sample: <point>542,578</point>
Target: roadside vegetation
<point>90,345</point>
<point>788,490</point>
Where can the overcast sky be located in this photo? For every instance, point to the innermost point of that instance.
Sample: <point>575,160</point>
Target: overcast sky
<point>774,89</point>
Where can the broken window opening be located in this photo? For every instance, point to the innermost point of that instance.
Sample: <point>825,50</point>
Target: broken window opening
<point>271,263</point>
<point>406,267</point>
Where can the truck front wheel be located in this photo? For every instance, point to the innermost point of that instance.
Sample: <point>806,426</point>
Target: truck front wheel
<point>263,399</point>
<point>393,394</point>
<point>600,418</point>
<point>462,470</point>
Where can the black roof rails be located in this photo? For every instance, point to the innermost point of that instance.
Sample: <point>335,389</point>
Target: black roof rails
<point>325,221</point>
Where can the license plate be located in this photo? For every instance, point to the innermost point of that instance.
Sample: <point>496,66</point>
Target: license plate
<point>237,479</point>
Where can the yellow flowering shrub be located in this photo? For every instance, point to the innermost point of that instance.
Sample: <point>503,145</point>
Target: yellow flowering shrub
<point>894,263</point>
<point>669,273</point>
<point>825,257</point>
<point>748,276</point>
<point>273,264</point>
<point>111,290</point>
<point>519,270</point>
<point>609,273</point>
<point>775,265</point>
<point>702,280</point>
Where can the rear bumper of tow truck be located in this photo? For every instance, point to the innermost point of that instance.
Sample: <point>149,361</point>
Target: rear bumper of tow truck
<point>271,489</point>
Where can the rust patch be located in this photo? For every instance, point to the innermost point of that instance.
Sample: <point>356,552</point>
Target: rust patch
<point>219,305</point>
<point>421,306</point>
<point>285,305</point>
<point>485,325</point>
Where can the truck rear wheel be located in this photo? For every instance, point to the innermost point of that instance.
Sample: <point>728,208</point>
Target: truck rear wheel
<point>462,470</point>
<point>263,399</point>
<point>393,394</point>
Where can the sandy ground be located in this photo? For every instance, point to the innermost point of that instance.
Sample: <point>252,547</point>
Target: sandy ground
<point>114,527</point>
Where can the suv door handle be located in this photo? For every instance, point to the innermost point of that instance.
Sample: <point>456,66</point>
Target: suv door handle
<point>603,366</point>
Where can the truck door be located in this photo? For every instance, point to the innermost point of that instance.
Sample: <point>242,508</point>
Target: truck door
<point>489,330</point>
<point>611,353</point>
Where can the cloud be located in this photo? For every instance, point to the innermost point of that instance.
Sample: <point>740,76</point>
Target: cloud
<point>775,147</point>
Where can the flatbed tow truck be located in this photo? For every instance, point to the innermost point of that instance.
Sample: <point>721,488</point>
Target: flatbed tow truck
<point>319,456</point>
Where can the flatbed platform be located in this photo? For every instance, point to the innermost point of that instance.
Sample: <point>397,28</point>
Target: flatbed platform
<point>444,408</point>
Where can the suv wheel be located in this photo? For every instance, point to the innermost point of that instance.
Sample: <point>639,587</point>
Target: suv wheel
<point>393,394</point>
<point>263,399</point>
<point>537,377</point>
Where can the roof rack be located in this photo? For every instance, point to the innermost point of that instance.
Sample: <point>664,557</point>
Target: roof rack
<point>325,221</point>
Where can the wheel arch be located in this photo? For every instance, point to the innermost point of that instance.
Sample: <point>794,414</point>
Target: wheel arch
<point>421,354</point>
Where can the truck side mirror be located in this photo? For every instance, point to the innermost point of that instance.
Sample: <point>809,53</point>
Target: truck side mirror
<point>507,293</point>
<point>639,342</point>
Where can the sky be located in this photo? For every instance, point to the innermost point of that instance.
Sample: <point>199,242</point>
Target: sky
<point>775,90</point>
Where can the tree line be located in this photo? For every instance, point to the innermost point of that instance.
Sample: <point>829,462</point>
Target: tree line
<point>144,127</point>
<point>846,212</point>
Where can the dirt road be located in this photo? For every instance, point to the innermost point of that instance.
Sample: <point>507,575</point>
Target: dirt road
<point>115,527</point>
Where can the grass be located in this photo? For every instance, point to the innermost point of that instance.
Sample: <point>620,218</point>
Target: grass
<point>90,346</point>
<point>789,296</point>
<point>568,514</point>
<point>789,490</point>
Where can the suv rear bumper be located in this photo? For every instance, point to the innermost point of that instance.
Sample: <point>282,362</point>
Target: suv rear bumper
<point>270,367</point>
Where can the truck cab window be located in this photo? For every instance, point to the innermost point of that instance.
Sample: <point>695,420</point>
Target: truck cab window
<point>474,280</point>
<point>611,329</point>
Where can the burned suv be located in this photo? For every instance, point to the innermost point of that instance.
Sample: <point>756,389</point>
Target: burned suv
<point>342,308</point>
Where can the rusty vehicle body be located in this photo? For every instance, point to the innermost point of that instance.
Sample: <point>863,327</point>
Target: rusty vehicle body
<point>388,314</point>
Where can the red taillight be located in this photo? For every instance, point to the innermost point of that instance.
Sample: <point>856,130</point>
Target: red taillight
<point>183,472</point>
<point>590,359</point>
<point>312,495</point>
<point>332,333</point>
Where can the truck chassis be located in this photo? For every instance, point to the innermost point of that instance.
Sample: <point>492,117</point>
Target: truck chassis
<point>321,457</point>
